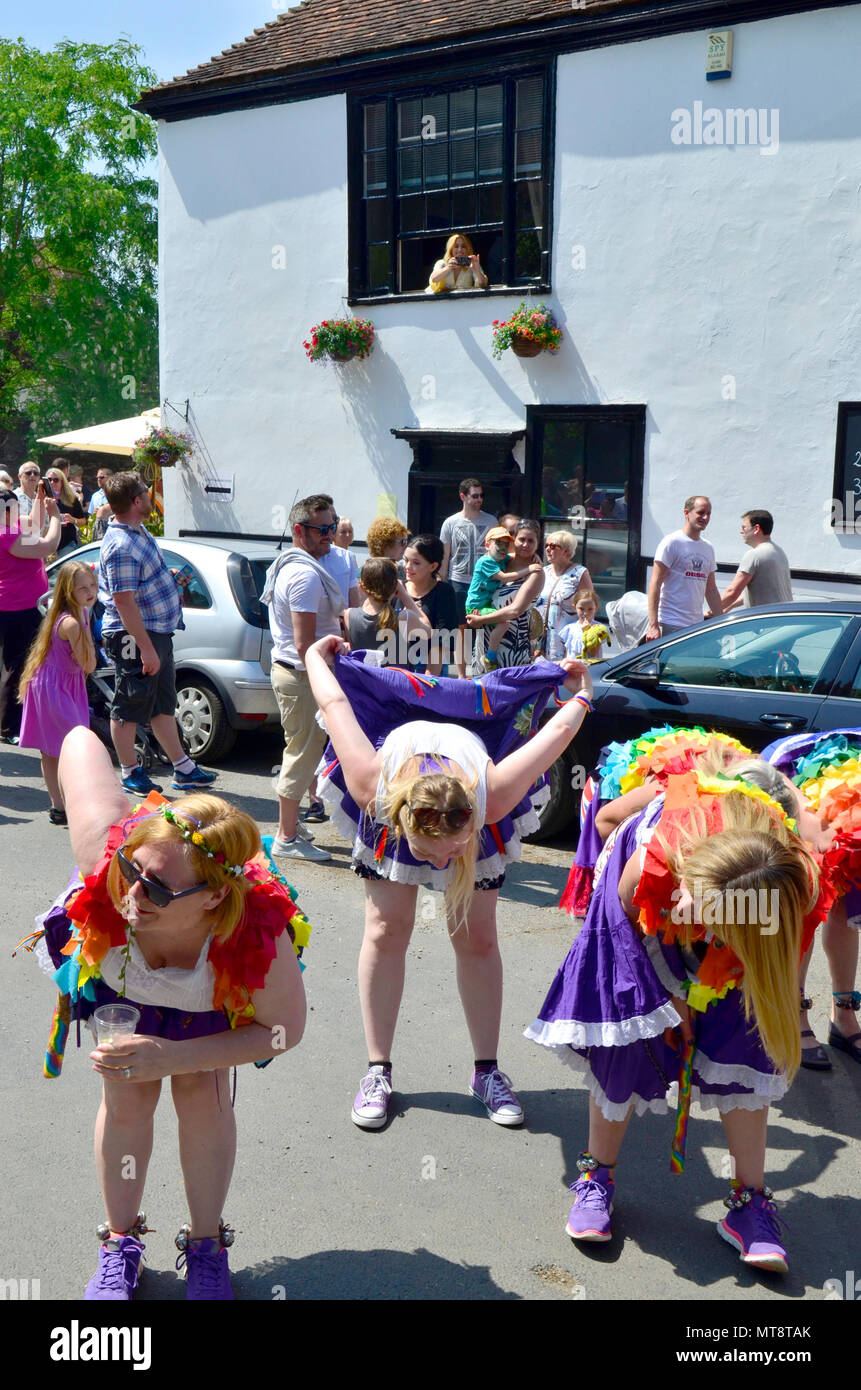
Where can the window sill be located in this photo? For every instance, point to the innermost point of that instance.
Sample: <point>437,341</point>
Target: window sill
<point>447,296</point>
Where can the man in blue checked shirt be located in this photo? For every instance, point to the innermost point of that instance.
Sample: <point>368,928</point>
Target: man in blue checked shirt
<point>142,612</point>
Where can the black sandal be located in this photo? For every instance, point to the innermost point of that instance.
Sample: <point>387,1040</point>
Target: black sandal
<point>57,816</point>
<point>813,1058</point>
<point>847,999</point>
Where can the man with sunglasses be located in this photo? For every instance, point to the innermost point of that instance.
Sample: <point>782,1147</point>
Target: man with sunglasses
<point>307,589</point>
<point>463,536</point>
<point>28,476</point>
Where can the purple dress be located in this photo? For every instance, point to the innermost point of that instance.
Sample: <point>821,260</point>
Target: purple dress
<point>56,699</point>
<point>610,1002</point>
<point>497,713</point>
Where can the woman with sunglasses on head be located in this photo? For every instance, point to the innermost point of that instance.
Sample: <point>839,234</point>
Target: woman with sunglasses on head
<point>514,604</point>
<point>433,780</point>
<point>71,509</point>
<point>179,915</point>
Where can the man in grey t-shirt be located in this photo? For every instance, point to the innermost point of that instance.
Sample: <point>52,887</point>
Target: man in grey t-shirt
<point>763,575</point>
<point>463,536</point>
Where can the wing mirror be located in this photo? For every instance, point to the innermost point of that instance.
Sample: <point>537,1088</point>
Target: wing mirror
<point>646,672</point>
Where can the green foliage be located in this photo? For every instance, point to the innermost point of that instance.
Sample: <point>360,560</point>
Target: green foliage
<point>533,322</point>
<point>78,237</point>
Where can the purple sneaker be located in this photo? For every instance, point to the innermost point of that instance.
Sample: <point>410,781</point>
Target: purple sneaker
<point>752,1226</point>
<point>118,1271</point>
<point>493,1089</point>
<point>589,1218</point>
<point>371,1106</point>
<point>206,1271</point>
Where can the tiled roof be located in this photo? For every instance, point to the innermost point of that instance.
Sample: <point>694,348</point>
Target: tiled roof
<point>324,31</point>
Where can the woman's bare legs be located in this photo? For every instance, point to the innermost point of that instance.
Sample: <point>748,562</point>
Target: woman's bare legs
<point>840,943</point>
<point>479,972</point>
<point>50,772</point>
<point>605,1136</point>
<point>123,1146</point>
<point>390,911</point>
<point>745,1132</point>
<point>207,1145</point>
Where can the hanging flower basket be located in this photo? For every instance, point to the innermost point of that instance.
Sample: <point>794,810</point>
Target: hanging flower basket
<point>531,329</point>
<point>340,340</point>
<point>160,449</point>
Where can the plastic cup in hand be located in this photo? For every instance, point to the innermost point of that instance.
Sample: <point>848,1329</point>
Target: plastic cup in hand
<point>115,1022</point>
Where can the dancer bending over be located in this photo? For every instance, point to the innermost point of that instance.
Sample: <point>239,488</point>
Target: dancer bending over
<point>428,779</point>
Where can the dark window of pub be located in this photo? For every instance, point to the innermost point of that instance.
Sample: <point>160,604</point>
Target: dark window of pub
<point>473,159</point>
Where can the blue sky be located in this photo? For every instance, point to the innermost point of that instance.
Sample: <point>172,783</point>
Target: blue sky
<point>175,35</point>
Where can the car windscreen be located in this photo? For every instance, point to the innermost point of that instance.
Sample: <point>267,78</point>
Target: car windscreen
<point>779,652</point>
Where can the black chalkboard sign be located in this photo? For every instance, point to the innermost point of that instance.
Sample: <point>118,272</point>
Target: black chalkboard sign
<point>846,497</point>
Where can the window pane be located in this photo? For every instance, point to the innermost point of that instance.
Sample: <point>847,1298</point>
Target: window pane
<point>437,109</point>
<point>530,203</point>
<point>416,257</point>
<point>375,172</point>
<point>490,157</point>
<point>784,655</point>
<point>528,255</point>
<point>376,219</point>
<point>463,207</point>
<point>462,110</point>
<point>409,168</point>
<point>489,107</point>
<point>527,156</point>
<point>462,161</point>
<point>412,214</point>
<point>489,202</point>
<point>529,102</point>
<point>378,267</point>
<point>437,213</point>
<point>409,120</point>
<point>491,256</point>
<point>436,163</point>
<point>375,126</point>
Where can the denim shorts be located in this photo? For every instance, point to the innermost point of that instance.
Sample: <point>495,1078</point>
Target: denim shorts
<point>138,697</point>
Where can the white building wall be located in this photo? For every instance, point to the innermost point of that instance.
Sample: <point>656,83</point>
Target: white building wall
<point>676,268</point>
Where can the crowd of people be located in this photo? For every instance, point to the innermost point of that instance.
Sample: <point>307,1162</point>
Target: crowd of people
<point>707,870</point>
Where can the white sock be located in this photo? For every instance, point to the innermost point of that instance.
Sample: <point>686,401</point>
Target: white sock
<point>185,765</point>
<point>127,770</point>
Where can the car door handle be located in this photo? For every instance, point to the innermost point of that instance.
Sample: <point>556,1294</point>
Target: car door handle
<point>787,722</point>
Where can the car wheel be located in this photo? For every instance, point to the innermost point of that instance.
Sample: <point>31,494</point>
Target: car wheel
<point>202,720</point>
<point>564,801</point>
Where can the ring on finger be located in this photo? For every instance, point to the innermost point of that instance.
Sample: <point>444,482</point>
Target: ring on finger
<point>127,1071</point>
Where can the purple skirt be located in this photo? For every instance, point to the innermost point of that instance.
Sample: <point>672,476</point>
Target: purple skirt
<point>608,1007</point>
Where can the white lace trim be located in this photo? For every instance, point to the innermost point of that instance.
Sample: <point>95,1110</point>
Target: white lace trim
<point>660,966</point>
<point>612,1110</point>
<point>769,1084</point>
<point>564,1033</point>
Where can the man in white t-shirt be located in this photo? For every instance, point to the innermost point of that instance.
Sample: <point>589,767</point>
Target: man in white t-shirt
<point>307,589</point>
<point>683,575</point>
<point>763,575</point>
<point>462,536</point>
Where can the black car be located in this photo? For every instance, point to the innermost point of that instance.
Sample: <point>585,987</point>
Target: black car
<point>755,673</point>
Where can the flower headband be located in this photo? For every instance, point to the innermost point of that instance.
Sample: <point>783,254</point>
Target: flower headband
<point>219,857</point>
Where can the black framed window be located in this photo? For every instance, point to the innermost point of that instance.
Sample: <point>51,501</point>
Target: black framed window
<point>846,494</point>
<point>465,157</point>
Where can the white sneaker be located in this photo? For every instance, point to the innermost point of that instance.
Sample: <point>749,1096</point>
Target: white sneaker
<point>303,832</point>
<point>299,849</point>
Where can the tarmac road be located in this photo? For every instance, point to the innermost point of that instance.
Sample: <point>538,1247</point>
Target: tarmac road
<point>442,1204</point>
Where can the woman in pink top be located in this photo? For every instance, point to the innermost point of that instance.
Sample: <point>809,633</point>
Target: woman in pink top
<point>23,581</point>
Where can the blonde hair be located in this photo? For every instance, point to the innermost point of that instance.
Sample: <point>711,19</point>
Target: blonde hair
<point>441,792</point>
<point>455,236</point>
<point>566,539</point>
<point>382,532</point>
<point>62,606</point>
<point>754,852</point>
<point>223,827</point>
<point>379,579</point>
<point>587,596</point>
<point>68,496</point>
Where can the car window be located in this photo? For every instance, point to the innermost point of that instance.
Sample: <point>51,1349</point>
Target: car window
<point>775,652</point>
<point>195,593</point>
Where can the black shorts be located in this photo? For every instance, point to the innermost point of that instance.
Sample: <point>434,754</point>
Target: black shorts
<point>138,697</point>
<point>482,885</point>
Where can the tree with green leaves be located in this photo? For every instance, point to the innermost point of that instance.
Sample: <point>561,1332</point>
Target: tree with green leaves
<point>78,239</point>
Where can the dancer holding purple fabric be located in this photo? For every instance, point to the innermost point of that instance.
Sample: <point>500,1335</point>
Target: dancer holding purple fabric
<point>433,779</point>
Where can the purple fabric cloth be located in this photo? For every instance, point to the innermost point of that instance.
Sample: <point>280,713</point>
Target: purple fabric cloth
<point>590,844</point>
<point>56,699</point>
<point>608,987</point>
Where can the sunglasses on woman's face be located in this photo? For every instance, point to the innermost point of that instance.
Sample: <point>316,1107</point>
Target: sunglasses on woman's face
<point>155,892</point>
<point>429,818</point>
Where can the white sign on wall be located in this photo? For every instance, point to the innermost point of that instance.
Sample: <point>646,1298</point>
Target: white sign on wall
<point>719,55</point>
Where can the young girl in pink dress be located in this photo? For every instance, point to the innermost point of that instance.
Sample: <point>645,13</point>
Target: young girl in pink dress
<point>53,688</point>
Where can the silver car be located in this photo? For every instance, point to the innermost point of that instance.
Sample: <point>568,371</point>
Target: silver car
<point>223,655</point>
